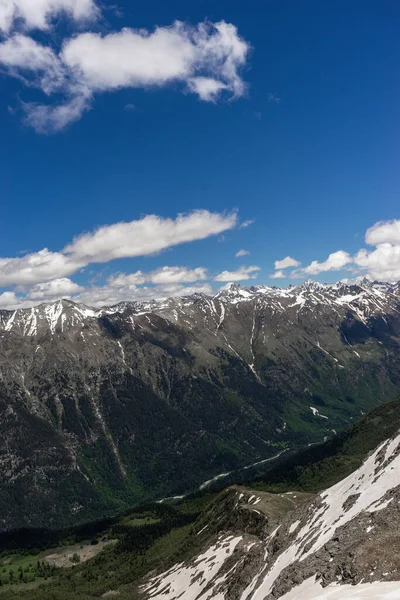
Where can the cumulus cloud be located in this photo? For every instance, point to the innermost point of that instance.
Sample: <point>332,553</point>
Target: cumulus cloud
<point>57,288</point>
<point>163,283</point>
<point>334,262</point>
<point>383,232</point>
<point>206,60</point>
<point>9,300</point>
<point>37,267</point>
<point>148,235</point>
<point>167,275</point>
<point>242,253</point>
<point>242,274</point>
<point>139,58</point>
<point>278,275</point>
<point>164,275</point>
<point>383,263</point>
<point>37,14</point>
<point>141,237</point>
<point>123,279</point>
<point>286,262</point>
<point>379,263</point>
<point>24,297</point>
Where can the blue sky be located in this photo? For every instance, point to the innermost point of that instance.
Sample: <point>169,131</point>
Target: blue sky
<point>285,118</point>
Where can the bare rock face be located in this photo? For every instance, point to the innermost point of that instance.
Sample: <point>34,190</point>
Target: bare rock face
<point>342,543</point>
<point>104,408</point>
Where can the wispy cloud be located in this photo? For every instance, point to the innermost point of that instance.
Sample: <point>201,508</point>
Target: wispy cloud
<point>273,98</point>
<point>247,223</point>
<point>38,15</point>
<point>242,253</point>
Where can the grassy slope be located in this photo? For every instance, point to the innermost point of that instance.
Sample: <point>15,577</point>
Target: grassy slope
<point>142,547</point>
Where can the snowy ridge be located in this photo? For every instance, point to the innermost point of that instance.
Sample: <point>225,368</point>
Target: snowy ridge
<point>303,534</point>
<point>56,316</point>
<point>191,581</point>
<point>363,300</point>
<point>369,487</point>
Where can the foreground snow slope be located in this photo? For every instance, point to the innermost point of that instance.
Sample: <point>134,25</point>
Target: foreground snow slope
<point>312,590</point>
<point>348,534</point>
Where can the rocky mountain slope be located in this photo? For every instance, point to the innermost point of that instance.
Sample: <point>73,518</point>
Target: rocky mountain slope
<point>341,543</point>
<point>102,408</point>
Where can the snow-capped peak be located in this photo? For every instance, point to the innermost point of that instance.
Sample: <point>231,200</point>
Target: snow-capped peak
<point>364,299</point>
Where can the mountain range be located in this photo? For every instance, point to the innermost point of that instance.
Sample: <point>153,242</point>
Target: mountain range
<point>102,408</point>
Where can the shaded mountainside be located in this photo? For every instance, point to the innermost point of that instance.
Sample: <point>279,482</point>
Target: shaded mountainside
<point>104,408</point>
<point>321,465</point>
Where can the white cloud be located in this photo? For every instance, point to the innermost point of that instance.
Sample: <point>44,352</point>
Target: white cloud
<point>286,263</point>
<point>382,264</point>
<point>9,300</point>
<point>167,275</point>
<point>164,275</point>
<point>36,14</point>
<point>23,52</point>
<point>207,88</point>
<point>205,59</point>
<point>242,274</point>
<point>383,232</point>
<point>148,235</point>
<point>51,119</point>
<point>334,262</point>
<point>247,223</point>
<point>164,282</point>
<point>98,296</point>
<point>142,237</point>
<point>122,279</point>
<point>36,267</point>
<point>278,275</point>
<point>131,58</point>
<point>140,58</point>
<point>242,253</point>
<point>57,288</point>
